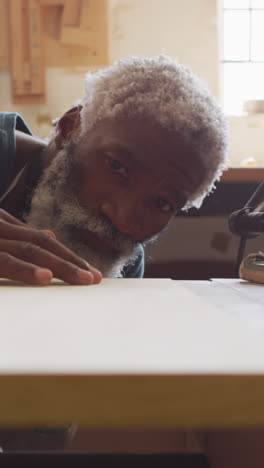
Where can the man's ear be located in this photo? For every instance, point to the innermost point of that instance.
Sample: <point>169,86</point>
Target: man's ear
<point>67,125</point>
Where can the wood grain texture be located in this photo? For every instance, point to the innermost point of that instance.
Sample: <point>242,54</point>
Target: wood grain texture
<point>4,47</point>
<point>35,34</point>
<point>131,401</point>
<point>37,77</point>
<point>16,46</point>
<point>81,37</point>
<point>26,49</point>
<point>243,174</point>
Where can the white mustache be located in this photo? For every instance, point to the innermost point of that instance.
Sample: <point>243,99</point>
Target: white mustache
<point>75,216</point>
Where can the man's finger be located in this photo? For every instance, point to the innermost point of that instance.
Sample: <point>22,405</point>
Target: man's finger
<point>15,269</point>
<point>25,234</point>
<point>50,233</point>
<point>35,255</point>
<point>9,218</point>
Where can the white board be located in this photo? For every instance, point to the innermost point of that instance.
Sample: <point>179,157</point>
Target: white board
<point>121,326</point>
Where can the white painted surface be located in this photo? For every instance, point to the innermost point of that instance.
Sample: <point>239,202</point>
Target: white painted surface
<point>124,326</point>
<point>187,30</point>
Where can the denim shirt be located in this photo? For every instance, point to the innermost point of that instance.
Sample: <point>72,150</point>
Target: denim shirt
<point>9,122</point>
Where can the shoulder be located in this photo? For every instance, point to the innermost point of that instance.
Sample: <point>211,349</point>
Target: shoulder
<point>9,123</point>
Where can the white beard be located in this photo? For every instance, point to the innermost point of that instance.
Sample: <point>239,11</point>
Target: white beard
<point>55,207</point>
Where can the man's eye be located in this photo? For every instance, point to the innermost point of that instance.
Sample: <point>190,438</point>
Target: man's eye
<point>116,166</point>
<point>164,205</point>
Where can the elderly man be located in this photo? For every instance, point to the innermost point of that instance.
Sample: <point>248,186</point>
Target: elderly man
<point>146,141</point>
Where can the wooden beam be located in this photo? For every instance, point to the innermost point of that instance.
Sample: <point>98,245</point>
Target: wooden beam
<point>85,13</point>
<point>88,32</point>
<point>35,49</point>
<point>16,46</point>
<point>26,50</point>
<point>71,13</point>
<point>3,33</point>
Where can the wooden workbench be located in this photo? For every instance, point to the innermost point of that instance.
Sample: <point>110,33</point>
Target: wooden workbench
<point>133,353</point>
<point>243,174</point>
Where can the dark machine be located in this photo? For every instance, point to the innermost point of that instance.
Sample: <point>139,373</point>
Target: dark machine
<point>249,223</point>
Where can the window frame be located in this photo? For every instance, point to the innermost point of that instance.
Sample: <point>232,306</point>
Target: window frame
<point>249,9</point>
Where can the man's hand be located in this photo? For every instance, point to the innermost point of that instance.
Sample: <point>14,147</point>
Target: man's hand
<point>35,257</point>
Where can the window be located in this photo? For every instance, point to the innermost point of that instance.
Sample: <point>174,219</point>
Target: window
<point>243,53</point>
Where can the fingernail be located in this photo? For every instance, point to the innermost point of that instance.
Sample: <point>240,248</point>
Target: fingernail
<point>84,276</point>
<point>97,272</point>
<point>95,269</point>
<point>43,275</point>
<point>86,264</point>
<point>50,233</point>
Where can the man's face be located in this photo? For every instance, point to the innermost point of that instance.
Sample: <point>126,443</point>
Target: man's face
<point>120,185</point>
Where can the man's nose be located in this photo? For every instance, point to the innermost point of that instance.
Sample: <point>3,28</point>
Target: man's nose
<point>123,217</point>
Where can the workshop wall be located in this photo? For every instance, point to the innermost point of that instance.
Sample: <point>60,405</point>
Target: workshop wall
<point>190,31</point>
<point>145,27</point>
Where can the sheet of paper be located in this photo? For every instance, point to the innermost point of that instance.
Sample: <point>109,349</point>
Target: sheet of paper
<point>121,326</point>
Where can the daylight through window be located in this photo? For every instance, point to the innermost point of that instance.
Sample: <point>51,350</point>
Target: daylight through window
<point>243,53</point>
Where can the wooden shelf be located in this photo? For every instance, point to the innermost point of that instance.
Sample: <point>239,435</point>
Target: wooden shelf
<point>35,34</point>
<point>243,174</point>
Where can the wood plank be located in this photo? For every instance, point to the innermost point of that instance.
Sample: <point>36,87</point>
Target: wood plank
<point>17,46</point>
<point>93,14</point>
<point>27,66</point>
<point>65,54</point>
<point>71,13</point>
<point>37,70</point>
<point>52,2</point>
<point>78,36</point>
<point>242,174</point>
<point>86,13</point>
<point>132,401</point>
<point>73,337</point>
<point>4,49</point>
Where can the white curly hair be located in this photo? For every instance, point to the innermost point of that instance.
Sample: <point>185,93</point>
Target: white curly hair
<point>171,94</point>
